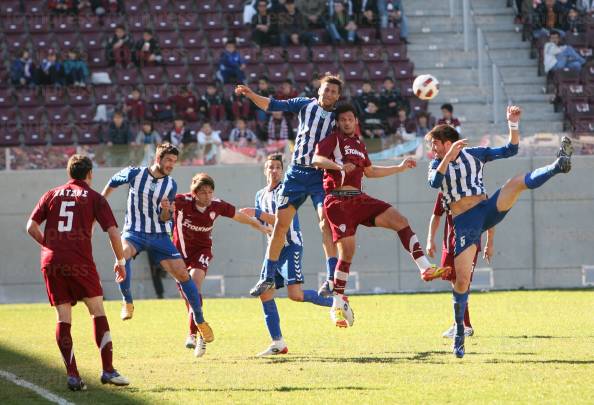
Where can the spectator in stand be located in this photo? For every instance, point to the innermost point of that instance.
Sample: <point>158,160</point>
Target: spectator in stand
<point>373,124</point>
<point>179,135</point>
<point>548,16</point>
<point>212,104</point>
<point>150,138</point>
<point>341,22</point>
<point>51,71</point>
<point>135,107</point>
<point>210,143</point>
<point>63,6</point>
<point>293,27</point>
<point>585,6</point>
<point>366,12</point>
<point>102,7</point>
<point>278,127</point>
<point>364,96</point>
<point>263,29</point>
<point>148,51</point>
<point>422,124</point>
<point>286,91</point>
<point>76,71</point>
<point>447,112</point>
<point>391,100</point>
<point>573,24</point>
<point>559,57</point>
<point>311,89</point>
<point>392,16</point>
<point>207,136</point>
<point>241,107</point>
<point>119,48</point>
<point>404,127</point>
<point>265,90</point>
<point>119,131</point>
<point>231,65</point>
<point>241,135</point>
<point>22,70</point>
<point>314,11</point>
<point>185,104</point>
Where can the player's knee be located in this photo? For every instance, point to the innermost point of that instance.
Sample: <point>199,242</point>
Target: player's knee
<point>296,295</point>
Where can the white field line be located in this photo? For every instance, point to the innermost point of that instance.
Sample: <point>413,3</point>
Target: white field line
<point>40,391</point>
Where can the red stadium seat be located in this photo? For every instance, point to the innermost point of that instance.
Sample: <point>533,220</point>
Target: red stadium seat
<point>168,39</point>
<point>157,95</point>
<point>106,95</point>
<point>322,68</point>
<point>79,96</point>
<point>158,6</point>
<point>152,75</point>
<point>164,22</point>
<point>36,25</point>
<point>6,99</point>
<point>134,6</point>
<point>183,6</point>
<point>254,72</point>
<point>92,40</point>
<point>126,77</point>
<point>390,35</point>
<point>297,55</point>
<point>91,24</point>
<point>88,134</point>
<point>15,42</point>
<point>136,24</point>
<point>96,58</point>
<point>354,71</point>
<point>188,22</point>
<point>278,73</point>
<point>322,53</point>
<point>9,136</point>
<point>61,135</point>
<point>27,98</point>
<point>15,24</point>
<point>303,73</point>
<point>35,135</point>
<point>58,115</point>
<point>202,74</point>
<point>191,40</point>
<point>211,21</point>
<point>64,24</point>
<point>242,38</point>
<point>417,105</point>
<point>31,115</point>
<point>110,22</point>
<point>231,6</point>
<point>53,96</point>
<point>177,75</point>
<point>250,55</point>
<point>8,116</point>
<point>273,55</point>
<point>206,6</point>
<point>348,54</point>
<point>396,53</point>
<point>403,70</point>
<point>41,40</point>
<point>379,71</point>
<point>83,114</point>
<point>216,38</point>
<point>10,7</point>
<point>367,35</point>
<point>235,20</point>
<point>173,57</point>
<point>37,7</point>
<point>67,40</point>
<point>372,54</point>
<point>198,56</point>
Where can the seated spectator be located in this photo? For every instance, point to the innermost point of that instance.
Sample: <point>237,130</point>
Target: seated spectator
<point>278,127</point>
<point>314,12</point>
<point>210,143</point>
<point>422,124</point>
<point>585,6</point>
<point>265,90</point>
<point>366,12</point>
<point>393,16</point>
<point>310,90</point>
<point>231,65</point>
<point>447,111</point>
<point>558,57</point>
<point>51,71</point>
<point>286,91</point>
<point>63,6</point>
<point>547,16</point>
<point>573,23</point>
<point>404,127</point>
<point>76,71</point>
<point>102,7</point>
<point>119,132</point>
<point>293,26</point>
<point>135,107</point>
<point>150,138</point>
<point>212,104</point>
<point>241,135</point>
<point>241,107</point>
<point>391,100</point>
<point>373,124</point>
<point>341,23</point>
<point>185,104</point>
<point>22,70</point>
<point>179,135</point>
<point>262,25</point>
<point>148,51</point>
<point>364,96</point>
<point>120,47</point>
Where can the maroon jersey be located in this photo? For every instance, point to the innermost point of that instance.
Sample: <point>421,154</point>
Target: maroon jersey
<point>449,239</point>
<point>69,212</point>
<point>343,149</point>
<point>192,227</point>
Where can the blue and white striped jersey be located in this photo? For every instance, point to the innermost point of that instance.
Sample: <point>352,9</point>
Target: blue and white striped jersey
<point>144,199</point>
<point>315,124</point>
<point>464,175</point>
<point>266,201</point>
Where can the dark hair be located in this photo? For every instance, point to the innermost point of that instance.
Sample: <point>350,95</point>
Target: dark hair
<point>344,108</point>
<point>120,26</point>
<point>421,114</point>
<point>275,156</point>
<point>166,149</point>
<point>148,31</point>
<point>447,106</point>
<point>332,79</point>
<point>118,112</point>
<point>388,78</point>
<point>443,133</point>
<point>201,179</point>
<point>555,32</point>
<point>265,78</point>
<point>79,167</point>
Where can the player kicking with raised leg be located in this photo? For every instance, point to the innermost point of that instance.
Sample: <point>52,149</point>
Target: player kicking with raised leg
<point>316,120</point>
<point>194,215</point>
<point>345,160</point>
<point>67,262</point>
<point>148,226</point>
<point>290,259</point>
<point>447,255</point>
<point>457,171</point>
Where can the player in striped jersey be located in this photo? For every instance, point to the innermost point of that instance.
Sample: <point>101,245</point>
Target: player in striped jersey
<point>458,172</point>
<point>289,271</point>
<point>316,120</point>
<point>148,224</point>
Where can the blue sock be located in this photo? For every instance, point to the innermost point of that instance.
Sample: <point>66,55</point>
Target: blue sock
<point>330,266</point>
<point>272,319</point>
<point>313,297</point>
<point>540,176</point>
<point>460,301</point>
<point>270,269</point>
<point>191,293</point>
<point>125,287</point>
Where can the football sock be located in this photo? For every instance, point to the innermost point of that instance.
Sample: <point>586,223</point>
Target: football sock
<point>313,297</point>
<point>341,276</point>
<point>64,341</point>
<point>125,288</point>
<point>103,340</point>
<point>270,269</point>
<point>467,317</point>
<point>460,301</point>
<point>540,176</point>
<point>411,243</point>
<point>193,297</point>
<point>272,319</point>
<point>192,324</point>
<point>330,266</point>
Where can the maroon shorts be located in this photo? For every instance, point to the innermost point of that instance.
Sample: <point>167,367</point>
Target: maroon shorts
<point>447,259</point>
<point>199,259</point>
<point>69,283</point>
<point>346,213</point>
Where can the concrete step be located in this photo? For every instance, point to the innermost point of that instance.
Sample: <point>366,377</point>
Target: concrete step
<point>475,112</point>
<point>474,130</point>
<point>445,24</point>
<point>520,75</point>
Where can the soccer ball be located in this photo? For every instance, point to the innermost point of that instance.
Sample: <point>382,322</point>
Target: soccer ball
<point>425,87</point>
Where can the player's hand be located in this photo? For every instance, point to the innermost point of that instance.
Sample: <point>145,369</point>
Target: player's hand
<point>408,163</point>
<point>513,113</point>
<point>348,167</point>
<point>243,90</point>
<point>250,212</point>
<point>166,205</point>
<point>120,272</point>
<point>488,252</point>
<point>430,248</point>
<point>456,148</point>
<point>266,230</point>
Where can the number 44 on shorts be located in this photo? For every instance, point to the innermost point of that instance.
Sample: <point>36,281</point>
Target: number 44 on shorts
<point>204,260</point>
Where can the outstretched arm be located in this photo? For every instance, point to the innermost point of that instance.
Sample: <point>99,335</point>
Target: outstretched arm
<point>107,191</point>
<point>259,214</point>
<point>260,101</point>
<point>383,171</point>
<point>251,221</point>
<point>433,226</point>
<point>322,162</point>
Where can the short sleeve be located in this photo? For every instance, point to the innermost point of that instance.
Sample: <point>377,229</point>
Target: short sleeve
<point>104,214</point>
<point>438,208</point>
<point>124,176</point>
<point>327,145</point>
<point>226,210</point>
<point>39,213</point>
<point>257,202</point>
<point>293,105</point>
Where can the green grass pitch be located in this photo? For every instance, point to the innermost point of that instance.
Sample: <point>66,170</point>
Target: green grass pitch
<point>529,347</point>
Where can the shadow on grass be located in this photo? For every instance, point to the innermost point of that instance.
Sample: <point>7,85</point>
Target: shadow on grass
<point>548,361</point>
<point>53,379</point>
<point>278,389</point>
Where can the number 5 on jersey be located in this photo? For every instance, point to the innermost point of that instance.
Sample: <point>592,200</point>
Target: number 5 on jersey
<point>66,226</point>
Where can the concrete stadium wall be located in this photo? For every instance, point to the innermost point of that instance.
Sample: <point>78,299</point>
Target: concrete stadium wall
<point>543,242</point>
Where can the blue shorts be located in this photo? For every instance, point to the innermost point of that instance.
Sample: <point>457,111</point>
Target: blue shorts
<point>469,226</point>
<point>299,183</point>
<point>289,270</point>
<point>159,244</point>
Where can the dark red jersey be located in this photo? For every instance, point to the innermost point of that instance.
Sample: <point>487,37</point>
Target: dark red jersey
<point>448,229</point>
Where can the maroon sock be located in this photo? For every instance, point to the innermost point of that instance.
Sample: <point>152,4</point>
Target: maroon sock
<point>64,341</point>
<point>467,317</point>
<point>103,340</point>
<point>341,276</point>
<point>192,323</point>
<point>410,242</point>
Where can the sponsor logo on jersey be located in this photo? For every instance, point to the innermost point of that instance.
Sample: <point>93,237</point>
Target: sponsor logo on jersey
<point>189,225</point>
<point>350,151</point>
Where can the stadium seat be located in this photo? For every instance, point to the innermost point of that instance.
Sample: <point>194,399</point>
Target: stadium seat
<point>211,21</point>
<point>126,76</point>
<point>417,105</point>
<point>354,71</point>
<point>190,40</point>
<point>35,7</point>
<point>198,56</point>
<point>216,38</point>
<point>188,22</point>
<point>9,136</point>
<point>31,115</point>
<point>8,116</point>
<point>243,38</point>
<point>110,22</point>
<point>348,54</point>
<point>67,41</point>
<point>91,24</point>
<point>10,7</point>
<point>250,55</point>
<point>177,75</point>
<point>61,135</point>
<point>379,70</point>
<point>53,96</point>
<point>390,36</point>
<point>83,114</point>
<point>15,42</point>
<point>15,24</point>
<point>396,53</point>
<point>278,73</point>
<point>202,74</point>
<point>403,70</point>
<point>96,58</point>
<point>297,55</point>
<point>372,54</point>
<point>575,40</point>
<point>158,6</point>
<point>134,6</point>
<point>157,94</point>
<point>254,72</point>
<point>367,36</point>
<point>206,6</point>
<point>231,6</point>
<point>153,75</point>
<point>273,55</point>
<point>64,24</point>
<point>27,97</point>
<point>41,40</point>
<point>322,68</point>
<point>173,57</point>
<point>136,24</point>
<point>164,22</point>
<point>234,20</point>
<point>6,99</point>
<point>92,40</point>
<point>58,114</point>
<point>35,135</point>
<point>183,6</point>
<point>106,95</point>
<point>302,73</point>
<point>167,39</point>
<point>79,96</point>
<point>36,25</point>
<point>322,54</point>
<point>88,134</point>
